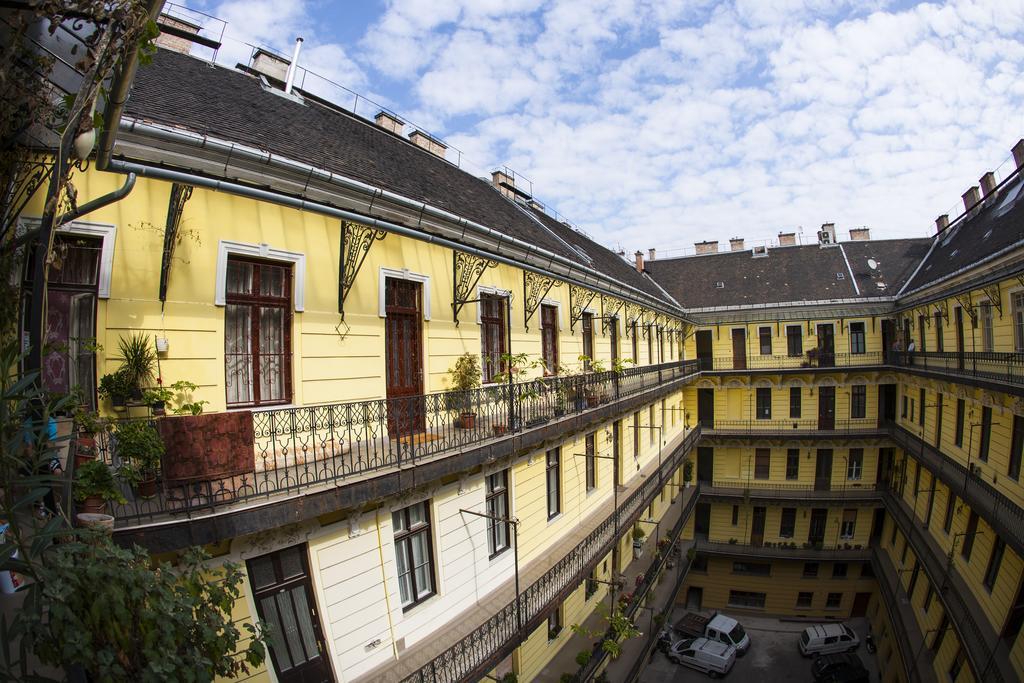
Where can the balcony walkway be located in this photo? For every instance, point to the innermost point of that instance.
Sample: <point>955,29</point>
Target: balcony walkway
<point>731,489</point>
<point>992,370</point>
<point>918,661</point>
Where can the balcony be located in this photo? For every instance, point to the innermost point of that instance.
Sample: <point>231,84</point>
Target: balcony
<point>1002,514</point>
<point>814,429</point>
<point>813,360</point>
<point>917,660</point>
<point>744,490</point>
<point>225,462</point>
<point>987,653</point>
<point>825,553</point>
<point>994,371</point>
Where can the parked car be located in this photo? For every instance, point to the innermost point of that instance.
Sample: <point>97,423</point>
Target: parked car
<point>703,654</point>
<point>827,665</point>
<point>827,639</point>
<point>716,627</point>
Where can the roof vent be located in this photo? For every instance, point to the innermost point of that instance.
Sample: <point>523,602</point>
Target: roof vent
<point>840,276</point>
<point>719,285</point>
<point>759,251</point>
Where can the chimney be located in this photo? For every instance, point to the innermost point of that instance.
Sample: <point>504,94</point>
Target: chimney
<point>941,223</point>
<point>431,144</point>
<point>827,234</point>
<point>270,65</point>
<point>291,67</point>
<point>639,261</point>
<point>971,197</point>
<point>706,247</point>
<point>787,239</point>
<point>860,234</point>
<point>1018,154</point>
<point>174,32</point>
<point>735,244</point>
<point>650,254</point>
<point>389,121</point>
<point>988,183</point>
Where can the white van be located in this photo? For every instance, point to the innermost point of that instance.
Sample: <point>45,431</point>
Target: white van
<point>728,631</point>
<point>827,639</point>
<point>710,656</point>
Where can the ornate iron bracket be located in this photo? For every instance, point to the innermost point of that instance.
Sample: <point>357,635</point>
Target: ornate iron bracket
<point>965,304</point>
<point>634,314</point>
<point>927,317</point>
<point>356,241</point>
<point>609,315</point>
<point>19,188</point>
<point>942,307</point>
<point>180,194</point>
<point>535,288</point>
<point>994,297</point>
<point>466,272</point>
<point>579,299</point>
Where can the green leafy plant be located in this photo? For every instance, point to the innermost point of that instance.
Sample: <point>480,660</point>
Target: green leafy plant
<point>620,364</point>
<point>688,471</point>
<point>116,387</point>
<point>583,657</point>
<point>95,480</point>
<point>465,374</point>
<point>109,613</point>
<point>140,449</point>
<point>138,359</point>
<point>89,421</point>
<point>639,534</point>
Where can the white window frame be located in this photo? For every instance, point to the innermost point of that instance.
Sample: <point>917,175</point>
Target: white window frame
<point>497,291</point>
<point>1018,333</point>
<point>401,274</point>
<point>226,248</point>
<point>983,305</point>
<point>105,231</point>
<point>557,304</point>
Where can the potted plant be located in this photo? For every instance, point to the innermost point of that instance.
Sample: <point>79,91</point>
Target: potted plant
<point>638,542</point>
<point>116,387</point>
<point>583,657</point>
<point>157,398</point>
<point>95,487</point>
<point>687,473</point>
<point>139,447</point>
<point>138,359</point>
<point>465,376</point>
<point>88,424</point>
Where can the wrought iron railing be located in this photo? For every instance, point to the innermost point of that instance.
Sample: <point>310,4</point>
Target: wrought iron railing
<point>296,449</point>
<point>908,635</point>
<point>782,426</point>
<point>473,655</point>
<point>812,359</point>
<point>841,551</point>
<point>765,488</point>
<point>1006,368</point>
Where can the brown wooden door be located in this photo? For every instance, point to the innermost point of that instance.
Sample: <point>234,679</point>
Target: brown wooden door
<point>819,519</point>
<point>549,337</point>
<point>403,343</point>
<point>860,604</point>
<point>823,470</point>
<point>826,345</point>
<point>704,352</point>
<point>959,317</point>
<point>705,464</point>
<point>739,349</point>
<point>826,408</point>
<point>757,528</point>
<point>285,601</point>
<point>706,408</point>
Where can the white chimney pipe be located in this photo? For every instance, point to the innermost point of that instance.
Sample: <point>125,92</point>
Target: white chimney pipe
<point>291,67</point>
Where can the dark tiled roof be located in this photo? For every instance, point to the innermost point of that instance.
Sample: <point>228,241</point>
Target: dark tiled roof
<point>788,274</point>
<point>602,258</point>
<point>998,224</point>
<point>183,91</point>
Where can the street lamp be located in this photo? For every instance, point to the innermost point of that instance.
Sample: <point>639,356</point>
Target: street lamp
<point>515,553</point>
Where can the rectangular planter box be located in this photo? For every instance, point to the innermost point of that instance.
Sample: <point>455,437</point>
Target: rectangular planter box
<point>205,447</point>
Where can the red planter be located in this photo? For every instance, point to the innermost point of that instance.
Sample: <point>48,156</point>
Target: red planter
<point>146,488</point>
<point>467,420</point>
<point>85,449</point>
<point>206,447</point>
<point>93,505</point>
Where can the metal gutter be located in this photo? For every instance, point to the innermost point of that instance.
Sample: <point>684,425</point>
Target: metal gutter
<point>98,203</point>
<point>960,271</point>
<point>268,159</point>
<point>788,304</point>
<point>849,269</point>
<point>120,166</point>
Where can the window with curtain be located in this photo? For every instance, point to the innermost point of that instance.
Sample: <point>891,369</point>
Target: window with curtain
<point>857,338</point>
<point>257,333</point>
<point>587,325</point>
<point>414,553</point>
<point>497,506</point>
<point>554,482</point>
<point>549,338</point>
<point>492,335</point>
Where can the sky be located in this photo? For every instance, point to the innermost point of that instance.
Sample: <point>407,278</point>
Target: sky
<point>660,124</point>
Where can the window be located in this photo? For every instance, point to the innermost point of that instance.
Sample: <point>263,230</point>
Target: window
<point>795,406</point>
<point>787,527</point>
<point>834,601</point>
<point>855,463</point>
<point>957,664</point>
<point>555,623</point>
<point>929,595</point>
<point>892,538</point>
<point>858,401</point>
<point>969,534</point>
<point>940,633</point>
<point>257,333</point>
<point>613,339</point>
<point>857,340</point>
<point>650,345</point>
<point>795,340</point>
<point>917,478</point>
<point>587,323</point>
<point>762,463</point>
<point>839,570</point>
<point>636,343</point>
<point>810,570</point>
<point>994,560</point>
<point>1016,447</point>
<point>764,404</point>
<point>752,568</point>
<point>554,482</point>
<point>804,600</point>
<point>903,553</point>
<point>492,335</point>
<point>699,564</point>
<point>985,317</point>
<point>549,337</point>
<point>958,439</point>
<point>636,435</point>
<point>947,524</point>
<point>921,322</point>
<point>414,553</point>
<point>497,506</point>
<point>938,419</point>
<point>747,599</point>
<point>793,463</point>
<point>866,572</point>
<point>938,331</point>
<point>1018,321</point>
<point>591,461</point>
<point>849,526</point>
<point>735,515</point>
<point>651,431</point>
<point>764,335</point>
<point>903,410</point>
<point>591,585</point>
<point>921,399</point>
<point>986,433</point>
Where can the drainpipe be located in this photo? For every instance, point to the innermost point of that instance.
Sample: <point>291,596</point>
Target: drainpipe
<point>98,203</point>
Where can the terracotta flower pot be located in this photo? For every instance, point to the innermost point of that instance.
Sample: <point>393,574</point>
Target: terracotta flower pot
<point>146,488</point>
<point>85,449</point>
<point>93,505</point>
<point>467,420</point>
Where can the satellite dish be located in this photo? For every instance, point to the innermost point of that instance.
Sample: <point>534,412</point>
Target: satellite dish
<point>872,264</point>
